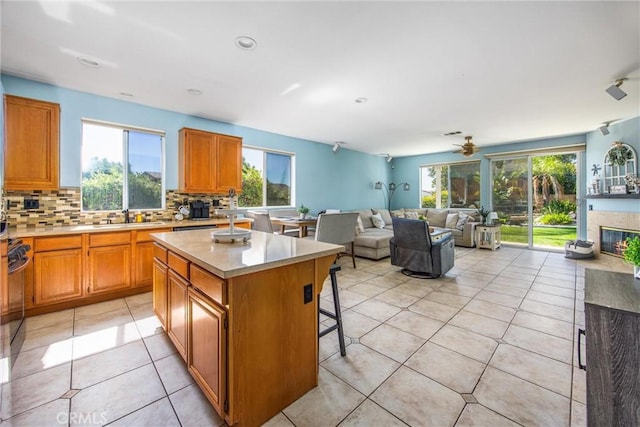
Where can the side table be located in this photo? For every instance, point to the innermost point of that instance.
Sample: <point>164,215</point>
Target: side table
<point>488,236</point>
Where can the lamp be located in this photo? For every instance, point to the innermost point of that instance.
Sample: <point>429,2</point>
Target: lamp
<point>336,147</point>
<point>604,129</point>
<point>492,217</point>
<point>391,188</point>
<point>615,91</point>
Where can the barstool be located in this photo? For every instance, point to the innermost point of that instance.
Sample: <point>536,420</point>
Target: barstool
<point>337,316</point>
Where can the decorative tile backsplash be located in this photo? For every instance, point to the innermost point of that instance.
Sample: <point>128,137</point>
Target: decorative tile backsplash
<point>63,207</point>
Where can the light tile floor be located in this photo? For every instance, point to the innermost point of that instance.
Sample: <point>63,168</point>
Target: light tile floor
<point>490,344</point>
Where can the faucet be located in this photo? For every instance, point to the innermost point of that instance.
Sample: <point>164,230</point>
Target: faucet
<point>126,216</point>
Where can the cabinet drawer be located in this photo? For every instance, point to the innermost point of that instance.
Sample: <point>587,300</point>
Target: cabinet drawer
<point>145,235</point>
<point>43,244</point>
<point>178,264</point>
<point>107,239</point>
<point>207,283</point>
<point>160,253</point>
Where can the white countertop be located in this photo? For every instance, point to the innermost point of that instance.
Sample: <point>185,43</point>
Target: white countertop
<point>53,230</point>
<point>262,252</point>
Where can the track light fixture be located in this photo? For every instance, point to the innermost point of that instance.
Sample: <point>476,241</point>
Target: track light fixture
<point>604,129</point>
<point>615,91</point>
<point>336,147</point>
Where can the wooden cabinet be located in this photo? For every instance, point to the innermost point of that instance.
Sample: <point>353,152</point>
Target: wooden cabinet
<point>160,291</point>
<point>612,324</point>
<point>177,312</point>
<point>206,358</point>
<point>109,263</point>
<point>209,162</point>
<point>143,256</point>
<point>57,269</point>
<point>32,144</point>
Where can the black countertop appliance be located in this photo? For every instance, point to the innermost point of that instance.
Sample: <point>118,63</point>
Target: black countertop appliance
<point>199,210</point>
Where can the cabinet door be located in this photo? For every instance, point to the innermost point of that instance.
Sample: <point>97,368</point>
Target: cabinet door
<point>143,262</point>
<point>57,276</point>
<point>229,164</point>
<point>31,150</point>
<point>109,268</point>
<point>160,292</point>
<point>177,312</point>
<point>207,348</point>
<point>197,160</point>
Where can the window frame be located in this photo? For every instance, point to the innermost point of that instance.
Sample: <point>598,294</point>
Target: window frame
<point>292,156</point>
<point>125,129</point>
<point>439,182</point>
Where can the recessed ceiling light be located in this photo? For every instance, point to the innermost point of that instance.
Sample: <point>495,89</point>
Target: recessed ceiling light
<point>126,94</point>
<point>194,92</point>
<point>361,100</point>
<point>88,62</point>
<point>246,43</point>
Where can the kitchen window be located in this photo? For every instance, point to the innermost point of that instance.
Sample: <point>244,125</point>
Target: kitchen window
<point>455,185</point>
<point>107,185</point>
<point>267,178</point>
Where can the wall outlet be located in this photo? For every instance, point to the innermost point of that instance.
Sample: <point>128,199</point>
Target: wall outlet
<point>308,293</point>
<point>31,204</point>
<point>590,207</point>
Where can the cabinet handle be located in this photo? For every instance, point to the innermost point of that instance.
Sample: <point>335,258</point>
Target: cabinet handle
<point>580,333</point>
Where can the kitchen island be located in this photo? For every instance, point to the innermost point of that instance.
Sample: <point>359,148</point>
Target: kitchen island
<point>243,316</point>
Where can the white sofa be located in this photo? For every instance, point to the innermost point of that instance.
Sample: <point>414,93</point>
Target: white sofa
<point>373,242</point>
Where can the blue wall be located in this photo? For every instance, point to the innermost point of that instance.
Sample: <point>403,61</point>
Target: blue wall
<point>324,179</point>
<point>627,131</point>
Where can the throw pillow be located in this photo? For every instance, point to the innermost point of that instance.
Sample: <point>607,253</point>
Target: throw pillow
<point>359,226</point>
<point>411,215</point>
<point>365,216</point>
<point>452,220</point>
<point>462,220</point>
<point>398,213</point>
<point>437,217</point>
<point>378,222</point>
<point>386,216</point>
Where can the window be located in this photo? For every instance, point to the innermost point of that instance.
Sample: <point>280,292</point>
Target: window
<point>266,178</point>
<point>106,185</point>
<point>450,186</point>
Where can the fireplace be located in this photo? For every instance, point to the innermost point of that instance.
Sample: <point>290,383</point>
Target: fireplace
<point>613,240</point>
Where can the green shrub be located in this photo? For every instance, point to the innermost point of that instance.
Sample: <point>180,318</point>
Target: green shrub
<point>559,207</point>
<point>631,253</point>
<point>555,219</point>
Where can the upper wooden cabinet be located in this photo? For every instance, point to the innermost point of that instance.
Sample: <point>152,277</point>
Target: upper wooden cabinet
<point>209,162</point>
<point>32,153</point>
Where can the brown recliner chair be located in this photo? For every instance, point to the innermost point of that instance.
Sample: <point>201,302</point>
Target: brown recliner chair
<point>411,248</point>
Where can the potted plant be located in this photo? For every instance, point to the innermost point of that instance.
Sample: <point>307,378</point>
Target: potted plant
<point>303,210</point>
<point>631,254</point>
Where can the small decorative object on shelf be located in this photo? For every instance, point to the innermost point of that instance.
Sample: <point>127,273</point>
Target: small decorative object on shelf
<point>303,210</point>
<point>619,154</point>
<point>631,254</point>
<point>633,181</point>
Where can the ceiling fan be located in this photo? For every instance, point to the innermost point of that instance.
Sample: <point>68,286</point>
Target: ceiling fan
<point>468,148</point>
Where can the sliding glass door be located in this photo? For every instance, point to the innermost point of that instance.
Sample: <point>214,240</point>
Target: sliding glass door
<point>535,198</point>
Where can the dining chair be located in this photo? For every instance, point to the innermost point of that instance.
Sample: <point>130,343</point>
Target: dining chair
<point>261,221</point>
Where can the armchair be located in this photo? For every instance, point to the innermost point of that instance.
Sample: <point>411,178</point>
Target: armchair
<point>411,248</point>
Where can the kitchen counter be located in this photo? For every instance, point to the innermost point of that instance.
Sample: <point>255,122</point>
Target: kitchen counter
<point>50,230</point>
<point>262,252</point>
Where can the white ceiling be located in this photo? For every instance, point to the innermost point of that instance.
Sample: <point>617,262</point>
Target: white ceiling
<point>500,71</point>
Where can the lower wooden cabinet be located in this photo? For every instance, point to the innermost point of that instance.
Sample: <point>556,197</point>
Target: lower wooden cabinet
<point>160,292</point>
<point>109,268</point>
<point>206,356</point>
<point>57,276</point>
<point>177,312</point>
